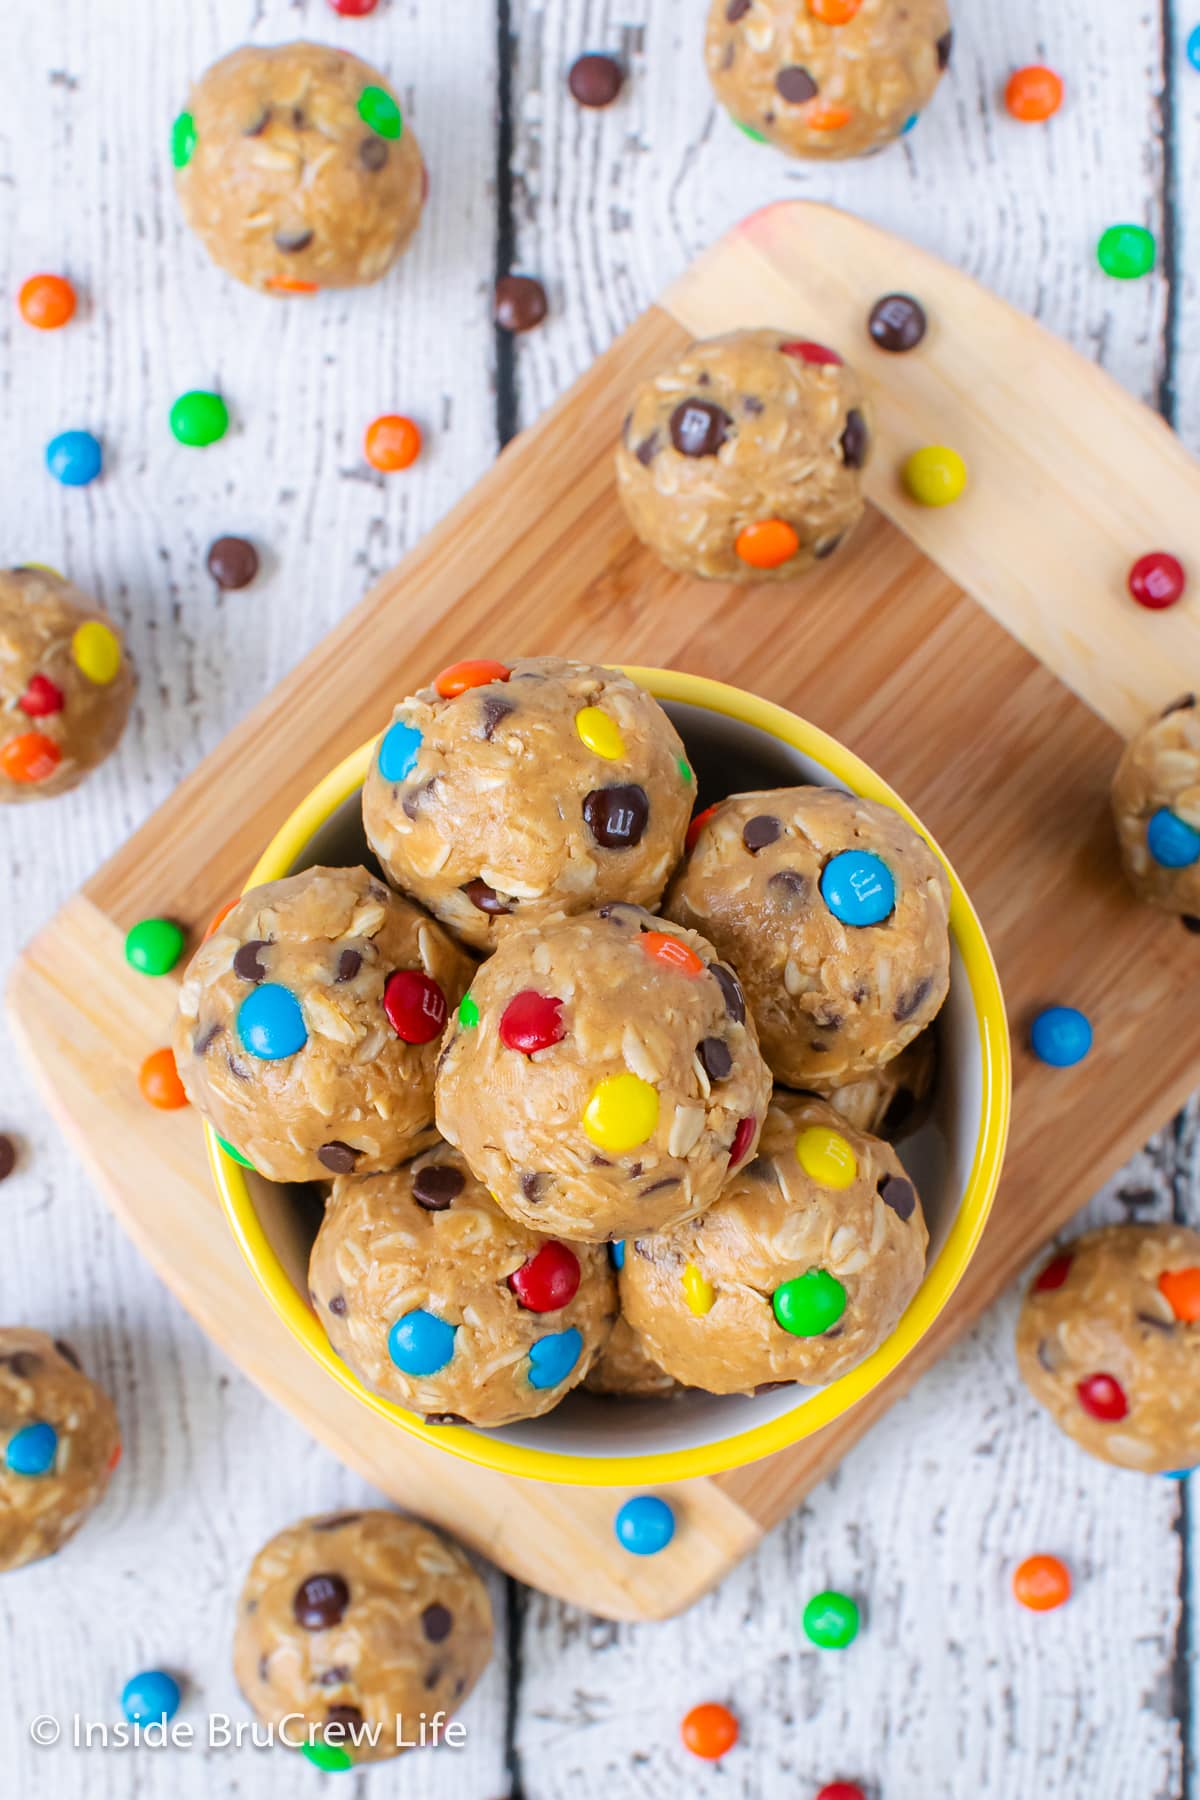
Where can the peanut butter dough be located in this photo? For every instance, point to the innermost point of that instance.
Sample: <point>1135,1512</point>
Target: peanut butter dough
<point>308,1025</point>
<point>519,1317</point>
<point>823,78</point>
<point>625,1370</point>
<point>296,169</point>
<point>365,1625</point>
<point>66,685</point>
<point>891,1101</point>
<point>799,1271</point>
<point>59,1444</point>
<point>550,789</point>
<point>831,999</point>
<point>1156,806</point>
<point>603,1075</point>
<point>1108,1341</point>
<point>742,460</point>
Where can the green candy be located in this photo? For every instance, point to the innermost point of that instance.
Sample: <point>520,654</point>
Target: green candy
<point>183,140</point>
<point>236,1154</point>
<point>377,109</point>
<point>809,1304</point>
<point>831,1620</point>
<point>758,136</point>
<point>154,946</point>
<point>468,1013</point>
<point>199,418</point>
<point>327,1756</point>
<point>685,769</point>
<point>1126,251</point>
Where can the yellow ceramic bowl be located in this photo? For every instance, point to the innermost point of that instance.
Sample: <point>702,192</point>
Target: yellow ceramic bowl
<point>736,742</point>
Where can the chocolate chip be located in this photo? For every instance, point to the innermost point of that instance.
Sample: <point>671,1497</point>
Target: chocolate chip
<point>203,1042</point>
<point>737,9</point>
<point>635,1170</point>
<point>337,1676</point>
<point>373,154</point>
<point>828,1020</point>
<point>752,405</point>
<point>1190,922</point>
<point>773,1387</point>
<point>617,816</point>
<point>485,898</point>
<point>788,889</point>
<point>856,440</point>
<point>531,1187</point>
<point>444,1419</point>
<point>715,1057</point>
<point>945,45</point>
<point>761,1169</point>
<point>698,428</point>
<point>436,1185</point>
<point>264,1665</point>
<point>1184,703</point>
<point>68,1353</point>
<point>899,1194</point>
<point>292,242</point>
<point>658,1187</point>
<point>331,1521</point>
<point>760,831</point>
<point>237,1069</point>
<point>258,125</point>
<point>436,1622</point>
<point>348,1717</point>
<point>494,712</point>
<point>595,80</point>
<point>520,303</point>
<point>412,800</point>
<point>897,323</point>
<point>827,546</point>
<point>8,1156</point>
<point>433,1676</point>
<point>795,85</point>
<point>349,963</point>
<point>337,1306</point>
<point>22,1363</point>
<point>320,1602</point>
<point>232,562</point>
<point>731,989</point>
<point>647,450</point>
<point>299,118</point>
<point>908,1003</point>
<point>246,961</point>
<point>1157,1324</point>
<point>339,1158</point>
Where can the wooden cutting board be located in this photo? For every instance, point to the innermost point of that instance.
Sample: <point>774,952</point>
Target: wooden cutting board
<point>985,658</point>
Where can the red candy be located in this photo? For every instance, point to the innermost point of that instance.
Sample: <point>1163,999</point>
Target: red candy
<point>354,9</point>
<point>415,1005</point>
<point>841,1790</point>
<point>812,353</point>
<point>1054,1274</point>
<point>1157,580</point>
<point>1102,1397</point>
<point>548,1280</point>
<point>531,1021</point>
<point>661,947</point>
<point>463,675</point>
<point>697,825</point>
<point>743,1137</point>
<point>41,698</point>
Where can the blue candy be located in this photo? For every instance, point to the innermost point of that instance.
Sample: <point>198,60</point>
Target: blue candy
<point>270,1023</point>
<point>74,458</point>
<point>399,751</point>
<point>908,124</point>
<point>1171,841</point>
<point>644,1525</point>
<point>420,1343</point>
<point>150,1695</point>
<point>1193,47</point>
<point>1061,1036</point>
<point>616,1254</point>
<point>858,888</point>
<point>31,1451</point>
<point>552,1358</point>
<point>1178,1474</point>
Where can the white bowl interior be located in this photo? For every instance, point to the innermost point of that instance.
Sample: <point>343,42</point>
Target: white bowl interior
<point>729,757</point>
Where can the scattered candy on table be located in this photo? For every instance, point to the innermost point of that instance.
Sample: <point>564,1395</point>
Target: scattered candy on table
<point>1193,47</point>
<point>1126,252</point>
<point>520,303</point>
<point>46,301</point>
<point>644,1525</point>
<point>354,9</point>
<point>154,946</point>
<point>595,80</point>
<point>75,458</point>
<point>1033,94</point>
<point>232,562</point>
<point>199,418</point>
<point>1061,1036</point>
<point>1041,1583</point>
<point>392,442</point>
<point>8,1160</point>
<point>149,1696</point>
<point>1157,580</point>
<point>709,1730</point>
<point>897,323</point>
<point>158,1080</point>
<point>831,1620</point>
<point>32,1450</point>
<point>840,1790</point>
<point>935,476</point>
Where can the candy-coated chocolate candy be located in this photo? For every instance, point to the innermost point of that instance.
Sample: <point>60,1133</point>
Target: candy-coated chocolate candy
<point>1157,580</point>
<point>41,698</point>
<point>1054,1273</point>
<point>616,1255</point>
<point>420,1343</point>
<point>288,284</point>
<point>399,751</point>
<point>767,543</point>
<point>897,323</point>
<point>1181,1289</point>
<point>1041,1583</point>
<point>617,816</point>
<point>354,9</point>
<point>834,12</point>
<point>30,757</point>
<point>751,131</point>
<point>600,732</point>
<point>595,80</point>
<point>270,1022</point>
<point>1126,252</point>
<point>1033,94</point>
<point>686,772</point>
<point>661,947</point>
<point>818,354</point>
<point>1177,1474</point>
<point>154,946</point>
<point>935,475</point>
<point>183,140</point>
<point>841,1790</point>
<point>810,1303</point>
<point>415,1006</point>
<point>698,1291</point>
<point>32,1449</point>
<point>858,888</point>
<point>159,1083</point>
<point>8,1162</point>
<point>218,919</point>
<point>697,826</point>
<point>1102,1397</point>
<point>831,1620</point>
<point>709,1731</point>
<point>333,1759</point>
<point>551,1359</point>
<point>549,1280</point>
<point>468,1012</point>
<point>826,1156</point>
<point>74,458</point>
<point>827,117</point>
<point>743,1137</point>
<point>46,301</point>
<point>519,303</point>
<point>622,1113</point>
<point>531,1022</point>
<point>96,652</point>
<point>460,677</point>
<point>392,442</point>
<point>151,1694</point>
<point>237,1156</point>
<point>232,562</point>
<point>199,418</point>
<point>1061,1036</point>
<point>379,111</point>
<point>1171,841</point>
<point>1193,47</point>
<point>644,1525</point>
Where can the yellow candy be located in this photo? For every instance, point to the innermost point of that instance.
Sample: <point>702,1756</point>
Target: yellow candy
<point>698,1292</point>
<point>936,475</point>
<point>45,569</point>
<point>97,652</point>
<point>621,1113</point>
<point>600,733</point>
<point>826,1156</point>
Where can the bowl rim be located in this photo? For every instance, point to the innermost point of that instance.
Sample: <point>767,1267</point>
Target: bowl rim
<point>826,1404</point>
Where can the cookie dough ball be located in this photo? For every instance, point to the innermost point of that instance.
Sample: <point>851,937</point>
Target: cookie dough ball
<point>439,1302</point>
<point>742,461</point>
<point>834,912</point>
<point>826,78</point>
<point>893,1100</point>
<point>603,1075</point>
<point>501,796</point>
<point>296,168</point>
<point>308,1025</point>
<point>66,685</point>
<point>360,1624</point>
<point>1156,806</point>
<point>625,1370</point>
<point>59,1445</point>
<point>1109,1343</point>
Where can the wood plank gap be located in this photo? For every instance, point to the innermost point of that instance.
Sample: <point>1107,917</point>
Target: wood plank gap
<point>1167,397</point>
<point>507,402</point>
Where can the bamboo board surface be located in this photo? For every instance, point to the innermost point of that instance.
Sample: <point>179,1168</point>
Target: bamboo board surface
<point>983,659</point>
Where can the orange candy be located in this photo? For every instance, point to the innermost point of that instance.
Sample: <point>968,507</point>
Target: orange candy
<point>46,301</point>
<point>218,918</point>
<point>392,442</point>
<point>709,1731</point>
<point>1182,1290</point>
<point>30,757</point>
<point>697,824</point>
<point>834,12</point>
<point>284,284</point>
<point>1041,1583</point>
<point>670,950</point>
<point>114,1459</point>
<point>158,1079</point>
<point>827,118</point>
<point>1033,94</point>
<point>472,674</point>
<point>767,543</point>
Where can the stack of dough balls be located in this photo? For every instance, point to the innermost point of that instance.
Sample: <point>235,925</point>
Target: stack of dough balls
<point>535,1072</point>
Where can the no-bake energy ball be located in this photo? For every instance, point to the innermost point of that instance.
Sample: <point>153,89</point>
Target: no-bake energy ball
<point>296,168</point>
<point>439,1302</point>
<point>66,685</point>
<point>800,1270</point>
<point>603,1076</point>
<point>1156,807</point>
<point>742,461</point>
<point>1109,1343</point>
<point>503,795</point>
<point>360,1625</point>
<point>59,1444</point>
<point>827,78</point>
<point>834,912</point>
<point>625,1370</point>
<point>308,1025</point>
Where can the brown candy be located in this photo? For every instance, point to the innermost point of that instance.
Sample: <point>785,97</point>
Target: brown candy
<point>320,1602</point>
<point>595,80</point>
<point>617,816</point>
<point>520,303</point>
<point>232,562</point>
<point>897,323</point>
